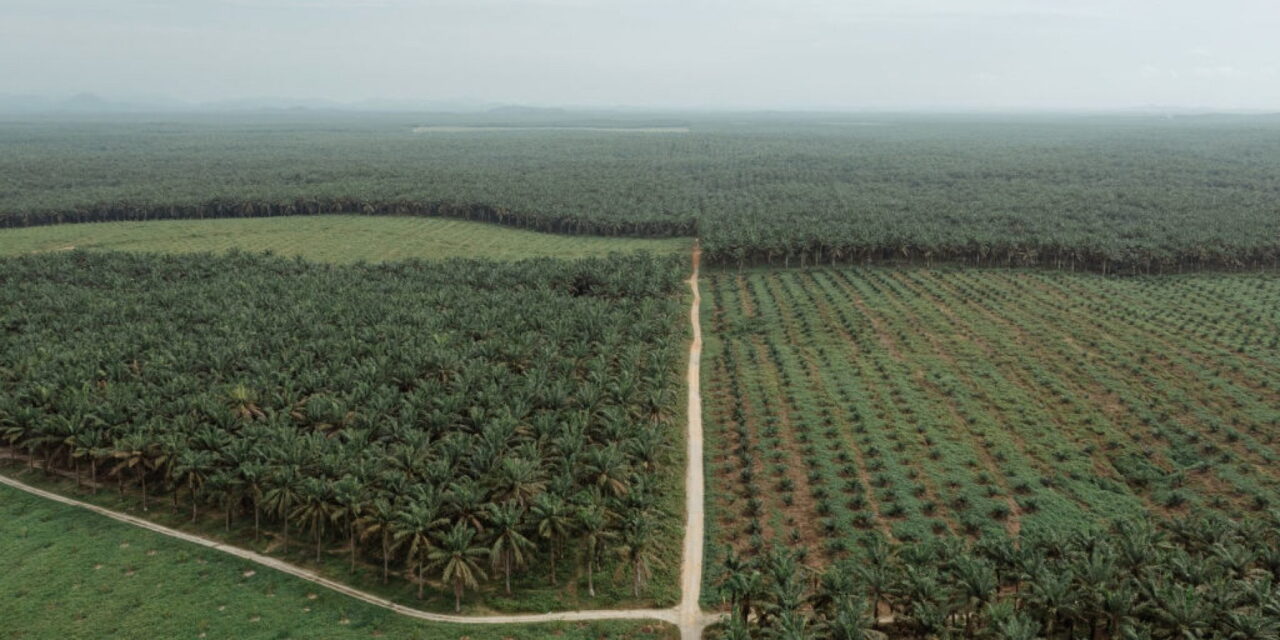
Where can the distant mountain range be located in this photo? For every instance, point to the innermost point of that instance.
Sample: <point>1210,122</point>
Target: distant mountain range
<point>93,103</point>
<point>90,103</point>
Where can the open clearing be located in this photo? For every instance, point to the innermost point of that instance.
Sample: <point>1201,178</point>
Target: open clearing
<point>910,403</point>
<point>328,238</point>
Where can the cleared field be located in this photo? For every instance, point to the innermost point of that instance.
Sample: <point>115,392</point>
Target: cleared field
<point>67,573</point>
<point>330,238</point>
<point>843,404</point>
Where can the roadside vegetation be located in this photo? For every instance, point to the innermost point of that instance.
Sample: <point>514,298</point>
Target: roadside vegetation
<point>68,573</point>
<point>1199,577</point>
<point>336,238</point>
<point>447,428</point>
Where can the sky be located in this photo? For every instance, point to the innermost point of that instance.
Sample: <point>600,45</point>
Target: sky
<point>702,54</point>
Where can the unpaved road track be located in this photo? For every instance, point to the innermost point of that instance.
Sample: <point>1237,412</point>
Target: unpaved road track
<point>687,615</point>
<point>692,620</point>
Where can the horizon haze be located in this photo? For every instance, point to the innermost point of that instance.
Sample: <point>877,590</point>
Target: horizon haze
<point>703,55</point>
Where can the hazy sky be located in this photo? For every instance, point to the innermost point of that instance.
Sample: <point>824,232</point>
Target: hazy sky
<point>686,53</point>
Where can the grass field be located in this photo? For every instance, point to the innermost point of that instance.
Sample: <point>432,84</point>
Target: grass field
<point>912,402</point>
<point>67,573</point>
<point>330,238</point>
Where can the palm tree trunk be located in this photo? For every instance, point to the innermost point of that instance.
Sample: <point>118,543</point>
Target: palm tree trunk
<point>591,583</point>
<point>386,556</point>
<point>256,511</point>
<point>315,522</point>
<point>420,580</point>
<point>457,595</point>
<point>143,476</point>
<point>553,564</point>
<point>506,563</point>
<point>353,546</point>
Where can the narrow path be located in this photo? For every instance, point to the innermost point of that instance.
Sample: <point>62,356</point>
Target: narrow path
<point>692,620</point>
<point>688,615</point>
<point>666,615</point>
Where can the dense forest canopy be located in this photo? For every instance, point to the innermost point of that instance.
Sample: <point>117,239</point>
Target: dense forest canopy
<point>1103,193</point>
<point>516,414</point>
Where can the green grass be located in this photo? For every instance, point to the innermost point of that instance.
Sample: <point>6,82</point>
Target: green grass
<point>69,573</point>
<point>330,238</point>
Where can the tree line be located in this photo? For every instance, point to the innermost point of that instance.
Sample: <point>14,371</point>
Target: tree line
<point>1123,195</point>
<point>1189,578</point>
<point>450,423</point>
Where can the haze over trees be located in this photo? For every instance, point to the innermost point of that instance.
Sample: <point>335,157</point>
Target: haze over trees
<point>1111,194</point>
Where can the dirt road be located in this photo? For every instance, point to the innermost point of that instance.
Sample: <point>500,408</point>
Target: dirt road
<point>692,620</point>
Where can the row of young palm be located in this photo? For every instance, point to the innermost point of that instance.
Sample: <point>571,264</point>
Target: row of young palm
<point>1190,578</point>
<point>452,422</point>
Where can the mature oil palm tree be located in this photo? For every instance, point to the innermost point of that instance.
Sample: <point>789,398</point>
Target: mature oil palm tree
<point>348,504</point>
<point>314,507</point>
<point>90,444</point>
<point>736,630</point>
<point>553,521</point>
<point>1017,627</point>
<point>509,545</point>
<point>243,403</point>
<point>848,622</point>
<point>606,467</point>
<point>416,525</point>
<point>879,576</point>
<point>977,581</point>
<point>1180,610</point>
<point>283,492</point>
<point>253,478</point>
<point>465,501</point>
<point>379,518</point>
<point>1052,593</point>
<point>458,559</point>
<point>191,469</point>
<point>636,546</point>
<point>226,489</point>
<point>593,525</point>
<point>519,480</point>
<point>136,452</point>
<point>741,579</point>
